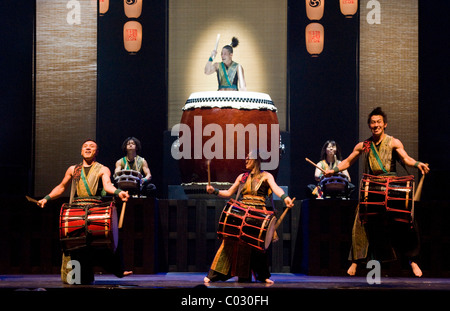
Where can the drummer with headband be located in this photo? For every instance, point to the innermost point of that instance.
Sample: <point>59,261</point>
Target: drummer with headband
<point>233,257</point>
<point>132,161</point>
<point>380,153</point>
<point>87,180</point>
<point>230,75</point>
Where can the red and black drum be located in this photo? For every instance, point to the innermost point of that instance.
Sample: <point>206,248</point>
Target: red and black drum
<point>88,223</point>
<point>387,194</point>
<point>224,127</point>
<point>252,226</point>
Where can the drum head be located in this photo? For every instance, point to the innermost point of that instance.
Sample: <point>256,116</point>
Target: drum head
<point>270,232</point>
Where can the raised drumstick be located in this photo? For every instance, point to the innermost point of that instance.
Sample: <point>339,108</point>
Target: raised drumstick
<point>209,173</point>
<point>314,164</point>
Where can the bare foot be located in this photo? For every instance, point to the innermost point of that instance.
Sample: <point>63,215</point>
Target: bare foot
<point>127,273</point>
<point>352,269</point>
<point>206,280</point>
<point>415,268</point>
<point>269,281</point>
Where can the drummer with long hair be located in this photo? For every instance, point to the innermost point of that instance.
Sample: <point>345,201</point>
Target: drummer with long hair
<point>230,75</point>
<point>235,258</point>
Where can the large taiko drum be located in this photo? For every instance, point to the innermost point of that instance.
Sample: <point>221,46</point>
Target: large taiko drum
<point>387,194</point>
<point>88,223</point>
<point>227,125</point>
<point>252,226</point>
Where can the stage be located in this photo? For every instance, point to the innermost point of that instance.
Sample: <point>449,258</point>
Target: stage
<point>183,290</point>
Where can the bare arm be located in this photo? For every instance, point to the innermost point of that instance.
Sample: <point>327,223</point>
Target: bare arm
<point>346,163</point>
<point>226,193</point>
<point>241,79</point>
<point>211,67</point>
<point>59,189</point>
<point>146,170</point>
<point>398,146</point>
<point>105,175</point>
<point>277,190</point>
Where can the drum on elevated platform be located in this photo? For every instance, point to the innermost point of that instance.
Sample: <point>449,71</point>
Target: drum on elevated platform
<point>224,127</point>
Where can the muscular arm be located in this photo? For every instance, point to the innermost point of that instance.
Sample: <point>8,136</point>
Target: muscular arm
<point>105,175</point>
<point>346,163</point>
<point>277,190</point>
<point>60,188</point>
<point>398,146</point>
<point>146,170</point>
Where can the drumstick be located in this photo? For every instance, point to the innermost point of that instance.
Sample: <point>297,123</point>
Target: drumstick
<point>314,164</point>
<point>217,42</point>
<point>209,173</point>
<point>419,188</point>
<point>31,199</point>
<point>282,216</point>
<point>122,213</point>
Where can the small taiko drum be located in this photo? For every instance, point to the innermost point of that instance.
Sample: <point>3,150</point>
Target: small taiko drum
<point>334,186</point>
<point>252,226</point>
<point>229,124</point>
<point>88,223</point>
<point>128,179</point>
<point>387,194</point>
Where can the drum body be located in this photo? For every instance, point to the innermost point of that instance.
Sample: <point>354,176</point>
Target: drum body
<point>128,179</point>
<point>211,117</point>
<point>387,194</point>
<point>252,226</point>
<point>88,224</point>
<point>334,186</point>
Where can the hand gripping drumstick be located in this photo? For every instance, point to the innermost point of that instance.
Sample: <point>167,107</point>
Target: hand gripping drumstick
<point>314,164</point>
<point>282,216</point>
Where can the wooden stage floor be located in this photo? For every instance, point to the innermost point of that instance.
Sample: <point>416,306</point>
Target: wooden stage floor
<point>182,291</point>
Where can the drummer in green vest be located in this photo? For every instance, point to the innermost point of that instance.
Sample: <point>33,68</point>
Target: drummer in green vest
<point>132,161</point>
<point>230,75</point>
<point>380,151</point>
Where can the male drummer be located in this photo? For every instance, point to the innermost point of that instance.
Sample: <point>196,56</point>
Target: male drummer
<point>132,161</point>
<point>380,154</point>
<point>229,73</point>
<point>235,258</point>
<point>86,180</point>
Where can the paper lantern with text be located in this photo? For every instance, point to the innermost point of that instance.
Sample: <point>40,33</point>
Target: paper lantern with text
<point>132,36</point>
<point>348,7</point>
<point>103,6</point>
<point>314,9</point>
<point>314,37</point>
<point>132,8</point>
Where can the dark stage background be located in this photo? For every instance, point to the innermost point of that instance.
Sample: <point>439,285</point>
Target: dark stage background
<point>137,86</point>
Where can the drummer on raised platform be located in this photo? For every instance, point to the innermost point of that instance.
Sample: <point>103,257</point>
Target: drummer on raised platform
<point>233,257</point>
<point>87,180</point>
<point>230,74</point>
<point>132,161</point>
<point>380,153</point>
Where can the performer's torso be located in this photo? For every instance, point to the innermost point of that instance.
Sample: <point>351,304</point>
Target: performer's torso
<point>381,157</point>
<point>89,183</point>
<point>228,76</point>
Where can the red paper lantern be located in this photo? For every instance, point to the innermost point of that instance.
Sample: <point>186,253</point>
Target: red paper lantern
<point>132,36</point>
<point>348,7</point>
<point>314,9</point>
<point>132,8</point>
<point>314,37</point>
